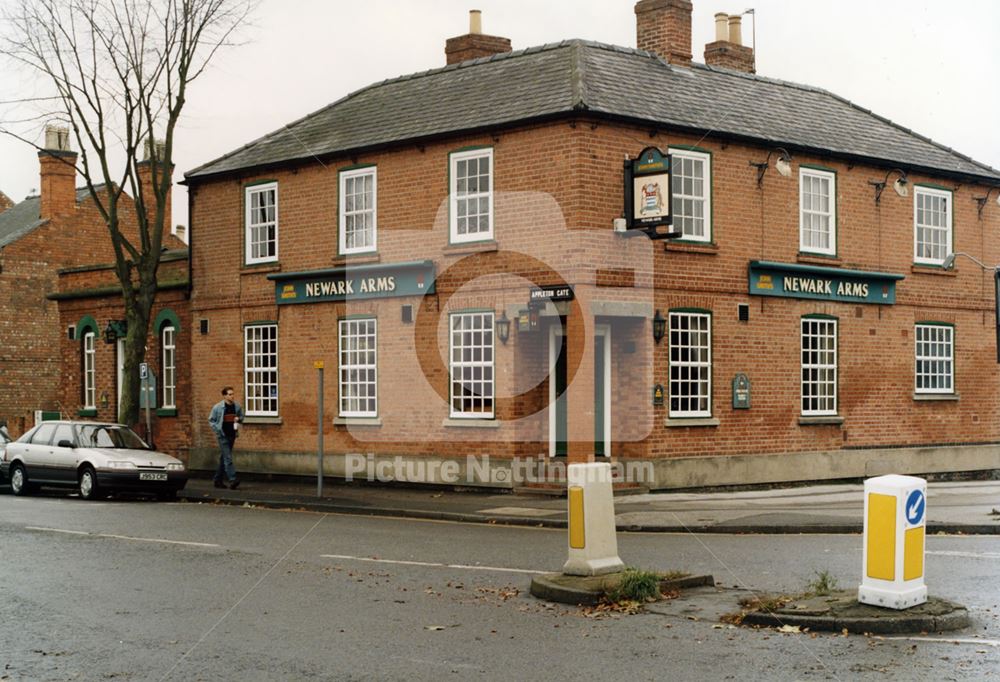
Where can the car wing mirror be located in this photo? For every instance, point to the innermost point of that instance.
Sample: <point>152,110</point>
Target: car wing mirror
<point>66,444</point>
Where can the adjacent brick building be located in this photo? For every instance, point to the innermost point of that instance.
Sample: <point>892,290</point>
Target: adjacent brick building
<point>427,240</point>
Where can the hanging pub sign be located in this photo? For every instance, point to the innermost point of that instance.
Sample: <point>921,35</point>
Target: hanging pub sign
<point>648,194</point>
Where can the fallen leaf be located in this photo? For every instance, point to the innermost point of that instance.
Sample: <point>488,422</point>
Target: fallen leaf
<point>789,629</point>
<point>434,627</point>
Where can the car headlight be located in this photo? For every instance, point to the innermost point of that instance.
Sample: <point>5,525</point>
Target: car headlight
<point>121,465</point>
<point>175,466</point>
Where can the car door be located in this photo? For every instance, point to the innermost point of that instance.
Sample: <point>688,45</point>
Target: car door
<point>64,459</point>
<point>39,460</point>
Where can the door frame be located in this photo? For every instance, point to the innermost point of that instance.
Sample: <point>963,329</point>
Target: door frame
<point>120,363</point>
<point>555,344</point>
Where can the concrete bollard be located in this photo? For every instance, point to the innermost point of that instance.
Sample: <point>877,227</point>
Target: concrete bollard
<point>593,545</point>
<point>893,553</point>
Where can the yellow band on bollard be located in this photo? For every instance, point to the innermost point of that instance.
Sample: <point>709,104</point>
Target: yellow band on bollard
<point>577,534</point>
<point>913,553</point>
<point>881,537</point>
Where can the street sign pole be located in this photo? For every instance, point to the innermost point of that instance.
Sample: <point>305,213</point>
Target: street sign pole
<point>144,377</point>
<point>318,364</point>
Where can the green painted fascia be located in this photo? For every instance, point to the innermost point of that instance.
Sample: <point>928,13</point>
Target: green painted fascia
<point>87,413</point>
<point>931,185</point>
<point>819,167</point>
<point>492,184</point>
<point>813,269</point>
<point>167,315</point>
<point>86,322</point>
<point>934,324</point>
<point>260,323</point>
<point>701,311</point>
<point>166,412</point>
<point>821,316</point>
<point>358,316</point>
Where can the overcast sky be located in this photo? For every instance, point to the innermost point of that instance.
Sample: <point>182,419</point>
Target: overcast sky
<point>930,66</point>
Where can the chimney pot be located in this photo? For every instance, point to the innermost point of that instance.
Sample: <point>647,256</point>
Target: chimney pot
<point>722,26</point>
<point>475,21</point>
<point>735,34</point>
<point>57,138</point>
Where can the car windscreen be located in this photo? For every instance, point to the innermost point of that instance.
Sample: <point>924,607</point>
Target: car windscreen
<point>107,436</point>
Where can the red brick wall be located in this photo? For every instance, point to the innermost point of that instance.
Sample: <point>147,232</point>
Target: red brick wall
<point>562,174</point>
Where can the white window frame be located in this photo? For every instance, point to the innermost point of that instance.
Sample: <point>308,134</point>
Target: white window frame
<point>352,362</point>
<point>89,373</point>
<point>250,225</point>
<point>459,362</point>
<point>679,195</point>
<point>946,195</point>
<point>169,365</point>
<point>944,341</point>
<point>690,362</point>
<point>345,214</point>
<point>455,198</point>
<point>805,214</point>
<point>258,362</point>
<point>816,362</point>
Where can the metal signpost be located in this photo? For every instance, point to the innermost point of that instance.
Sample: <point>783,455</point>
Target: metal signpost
<point>318,364</point>
<point>144,378</point>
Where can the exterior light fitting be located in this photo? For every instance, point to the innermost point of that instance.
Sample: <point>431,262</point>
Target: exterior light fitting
<point>982,200</point>
<point>503,327</point>
<point>899,186</point>
<point>783,165</point>
<point>115,330</point>
<point>659,326</point>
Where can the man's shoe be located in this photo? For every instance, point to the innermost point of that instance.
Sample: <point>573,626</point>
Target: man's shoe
<point>235,484</point>
<point>218,484</point>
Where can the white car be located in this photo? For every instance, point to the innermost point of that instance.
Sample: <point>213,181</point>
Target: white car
<point>94,458</point>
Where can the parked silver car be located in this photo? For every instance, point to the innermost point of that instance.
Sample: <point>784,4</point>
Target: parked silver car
<point>94,458</point>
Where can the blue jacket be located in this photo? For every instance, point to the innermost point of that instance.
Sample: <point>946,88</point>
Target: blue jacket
<point>216,415</point>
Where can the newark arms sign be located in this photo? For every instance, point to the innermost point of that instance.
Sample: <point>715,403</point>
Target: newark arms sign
<point>352,283</point>
<point>790,280</point>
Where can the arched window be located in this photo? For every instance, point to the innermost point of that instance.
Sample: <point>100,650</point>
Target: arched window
<point>86,330</point>
<point>168,326</point>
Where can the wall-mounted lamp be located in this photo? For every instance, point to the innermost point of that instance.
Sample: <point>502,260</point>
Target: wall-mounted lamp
<point>899,186</point>
<point>503,327</point>
<point>659,326</point>
<point>949,263</point>
<point>982,200</point>
<point>104,400</point>
<point>783,165</point>
<point>115,330</point>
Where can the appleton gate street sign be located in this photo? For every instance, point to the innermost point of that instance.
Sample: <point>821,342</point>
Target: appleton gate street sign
<point>352,283</point>
<point>648,194</point>
<point>539,295</point>
<point>790,280</point>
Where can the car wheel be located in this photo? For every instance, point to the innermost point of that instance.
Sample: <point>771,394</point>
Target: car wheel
<point>88,484</point>
<point>18,480</point>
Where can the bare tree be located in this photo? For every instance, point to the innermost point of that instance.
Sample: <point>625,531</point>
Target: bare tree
<point>118,72</point>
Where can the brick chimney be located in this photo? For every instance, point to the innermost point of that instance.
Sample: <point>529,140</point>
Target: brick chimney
<point>663,27</point>
<point>5,202</point>
<point>728,50</point>
<point>474,44</point>
<point>145,171</point>
<point>57,167</point>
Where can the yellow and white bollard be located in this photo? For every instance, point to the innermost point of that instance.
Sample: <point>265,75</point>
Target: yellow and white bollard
<point>593,545</point>
<point>893,554</point>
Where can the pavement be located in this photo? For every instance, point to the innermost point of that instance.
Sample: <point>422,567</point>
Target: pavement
<point>967,507</point>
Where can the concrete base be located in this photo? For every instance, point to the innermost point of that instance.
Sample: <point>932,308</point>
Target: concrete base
<point>593,543</point>
<point>892,599</point>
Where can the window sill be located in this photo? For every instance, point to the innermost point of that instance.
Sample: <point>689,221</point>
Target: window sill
<point>87,413</point>
<point>257,268</point>
<point>471,423</point>
<point>348,259</point>
<point>357,421</point>
<point>933,270</point>
<point>166,412</point>
<point>709,248</point>
<point>934,397</point>
<point>819,259</point>
<point>471,247</point>
<point>263,420</point>
<point>824,420</point>
<point>680,422</point>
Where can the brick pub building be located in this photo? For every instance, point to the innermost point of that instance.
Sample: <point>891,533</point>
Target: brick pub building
<point>427,238</point>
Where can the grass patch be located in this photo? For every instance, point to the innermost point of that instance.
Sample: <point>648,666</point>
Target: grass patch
<point>636,585</point>
<point>823,585</point>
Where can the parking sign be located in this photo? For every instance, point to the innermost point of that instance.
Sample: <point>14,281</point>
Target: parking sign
<point>143,371</point>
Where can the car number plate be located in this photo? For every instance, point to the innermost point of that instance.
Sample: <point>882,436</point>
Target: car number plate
<point>152,476</point>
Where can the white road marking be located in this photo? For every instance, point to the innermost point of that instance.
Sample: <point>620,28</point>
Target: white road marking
<point>120,537</point>
<point>969,555</point>
<point>430,564</point>
<point>995,643</point>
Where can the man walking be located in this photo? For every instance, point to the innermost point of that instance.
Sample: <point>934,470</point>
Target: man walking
<point>225,419</point>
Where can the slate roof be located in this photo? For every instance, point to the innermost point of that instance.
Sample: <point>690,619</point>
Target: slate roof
<point>22,218</point>
<point>583,76</point>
